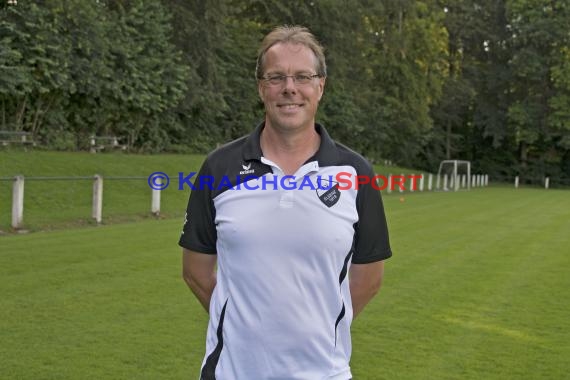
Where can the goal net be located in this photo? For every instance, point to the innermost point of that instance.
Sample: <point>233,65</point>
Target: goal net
<point>454,174</point>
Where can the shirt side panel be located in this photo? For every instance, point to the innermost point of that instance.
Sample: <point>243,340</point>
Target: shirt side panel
<point>371,231</point>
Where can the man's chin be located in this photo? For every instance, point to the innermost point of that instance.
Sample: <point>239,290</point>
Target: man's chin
<point>290,124</point>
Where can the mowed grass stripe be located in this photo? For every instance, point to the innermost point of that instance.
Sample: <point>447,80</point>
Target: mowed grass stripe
<point>477,288</point>
<point>98,303</point>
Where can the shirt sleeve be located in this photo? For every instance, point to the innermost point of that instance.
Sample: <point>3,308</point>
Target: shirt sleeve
<point>199,230</point>
<point>371,236</point>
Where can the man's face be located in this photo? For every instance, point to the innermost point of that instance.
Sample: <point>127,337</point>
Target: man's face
<point>290,106</point>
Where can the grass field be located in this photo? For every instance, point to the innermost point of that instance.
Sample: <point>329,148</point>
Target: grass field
<point>56,204</point>
<point>477,289</point>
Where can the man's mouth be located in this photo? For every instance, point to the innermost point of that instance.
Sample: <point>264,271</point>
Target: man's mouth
<point>289,106</point>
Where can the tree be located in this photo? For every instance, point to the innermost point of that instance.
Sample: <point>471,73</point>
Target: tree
<point>408,69</point>
<point>36,70</point>
<point>541,39</point>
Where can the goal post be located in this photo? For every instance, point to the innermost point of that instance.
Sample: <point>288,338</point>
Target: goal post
<point>453,169</point>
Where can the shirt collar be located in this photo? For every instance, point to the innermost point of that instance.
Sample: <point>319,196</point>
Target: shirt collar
<point>327,154</point>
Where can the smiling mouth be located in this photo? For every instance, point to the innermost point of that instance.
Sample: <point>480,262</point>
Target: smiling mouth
<point>289,106</point>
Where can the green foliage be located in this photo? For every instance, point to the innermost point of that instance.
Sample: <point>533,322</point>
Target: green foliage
<point>89,68</point>
<point>539,111</point>
<point>413,81</point>
<point>16,78</point>
<point>559,103</point>
<point>505,107</point>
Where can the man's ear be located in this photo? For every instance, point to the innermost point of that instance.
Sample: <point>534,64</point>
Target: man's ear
<point>321,87</point>
<point>260,90</point>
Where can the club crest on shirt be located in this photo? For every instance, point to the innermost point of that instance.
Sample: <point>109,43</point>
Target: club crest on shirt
<point>328,192</point>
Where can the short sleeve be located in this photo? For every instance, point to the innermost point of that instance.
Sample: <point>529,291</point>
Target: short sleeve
<point>199,230</point>
<point>371,235</point>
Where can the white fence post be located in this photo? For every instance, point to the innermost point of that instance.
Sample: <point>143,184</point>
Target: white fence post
<point>92,148</point>
<point>437,183</point>
<point>473,184</point>
<point>430,181</point>
<point>547,183</point>
<point>463,180</point>
<point>516,182</point>
<point>486,179</point>
<point>389,188</point>
<point>456,182</point>
<point>445,182</point>
<point>401,187</point>
<point>97,198</point>
<point>411,187</point>
<point>422,182</point>
<point>155,207</point>
<point>18,202</point>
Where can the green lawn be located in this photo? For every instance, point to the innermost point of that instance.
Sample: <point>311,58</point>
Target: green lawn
<point>64,203</point>
<point>477,289</point>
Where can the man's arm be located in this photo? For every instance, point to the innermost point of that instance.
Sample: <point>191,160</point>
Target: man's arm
<point>199,273</point>
<point>365,281</point>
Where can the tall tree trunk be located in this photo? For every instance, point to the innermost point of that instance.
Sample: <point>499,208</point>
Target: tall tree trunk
<point>448,140</point>
<point>4,113</point>
<point>20,114</point>
<point>37,114</point>
<point>523,154</point>
<point>40,113</point>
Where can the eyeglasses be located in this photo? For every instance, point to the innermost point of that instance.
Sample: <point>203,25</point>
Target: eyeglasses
<point>279,80</point>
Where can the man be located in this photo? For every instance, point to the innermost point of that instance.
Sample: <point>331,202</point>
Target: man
<point>267,212</point>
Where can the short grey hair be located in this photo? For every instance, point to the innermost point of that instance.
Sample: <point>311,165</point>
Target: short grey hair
<point>294,35</point>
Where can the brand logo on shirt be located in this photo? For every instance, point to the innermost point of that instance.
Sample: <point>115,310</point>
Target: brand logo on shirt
<point>247,169</point>
<point>328,193</point>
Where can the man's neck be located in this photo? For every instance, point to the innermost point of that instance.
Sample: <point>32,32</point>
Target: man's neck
<point>289,149</point>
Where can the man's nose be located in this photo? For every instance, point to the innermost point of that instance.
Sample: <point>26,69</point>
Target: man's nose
<point>290,85</point>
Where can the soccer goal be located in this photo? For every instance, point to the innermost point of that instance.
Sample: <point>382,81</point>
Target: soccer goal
<point>455,174</point>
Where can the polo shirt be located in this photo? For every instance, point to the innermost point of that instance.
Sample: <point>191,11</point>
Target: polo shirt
<point>281,308</point>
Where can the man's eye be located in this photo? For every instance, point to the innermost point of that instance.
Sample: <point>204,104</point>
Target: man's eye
<point>276,78</point>
<point>302,78</point>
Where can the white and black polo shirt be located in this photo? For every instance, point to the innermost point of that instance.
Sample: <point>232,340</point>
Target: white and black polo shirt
<point>281,308</point>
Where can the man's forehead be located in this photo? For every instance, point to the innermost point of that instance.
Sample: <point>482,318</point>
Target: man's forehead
<point>286,54</point>
<point>294,47</point>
